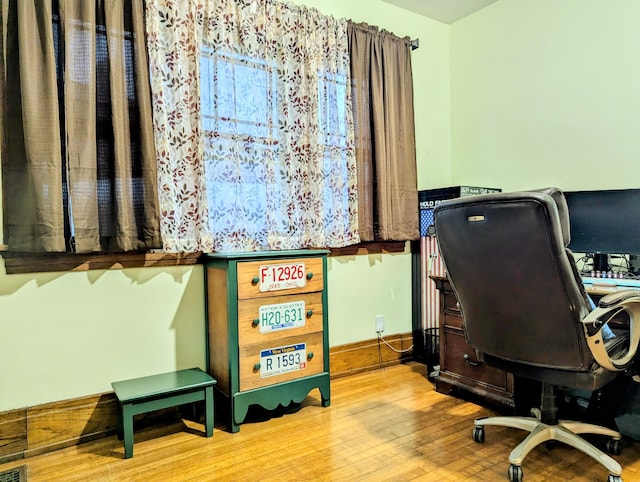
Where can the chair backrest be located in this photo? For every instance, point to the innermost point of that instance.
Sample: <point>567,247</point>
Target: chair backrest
<point>519,292</point>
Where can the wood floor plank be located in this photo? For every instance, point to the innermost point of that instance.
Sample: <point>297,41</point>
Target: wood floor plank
<point>389,424</point>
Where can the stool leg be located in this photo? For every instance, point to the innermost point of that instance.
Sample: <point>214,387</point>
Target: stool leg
<point>119,431</point>
<point>127,428</point>
<point>208,411</point>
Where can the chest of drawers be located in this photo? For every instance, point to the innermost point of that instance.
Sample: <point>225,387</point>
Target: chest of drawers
<point>267,328</point>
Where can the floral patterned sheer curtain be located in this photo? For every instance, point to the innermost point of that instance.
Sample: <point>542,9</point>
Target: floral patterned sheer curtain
<point>174,51</point>
<point>255,137</point>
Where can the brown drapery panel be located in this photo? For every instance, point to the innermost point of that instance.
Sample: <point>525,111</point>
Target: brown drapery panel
<point>384,133</point>
<point>78,160</point>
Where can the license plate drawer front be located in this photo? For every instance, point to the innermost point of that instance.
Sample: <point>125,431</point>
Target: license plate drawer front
<point>262,278</point>
<point>253,375</point>
<point>263,319</point>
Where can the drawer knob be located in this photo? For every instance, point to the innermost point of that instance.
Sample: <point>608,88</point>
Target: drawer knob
<point>255,322</point>
<point>310,355</point>
<point>256,367</point>
<point>309,275</point>
<point>255,280</point>
<point>469,362</point>
<point>309,313</point>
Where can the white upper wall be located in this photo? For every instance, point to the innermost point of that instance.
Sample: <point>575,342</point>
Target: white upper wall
<point>547,92</point>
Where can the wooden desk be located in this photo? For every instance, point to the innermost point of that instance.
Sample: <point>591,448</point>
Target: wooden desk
<point>599,287</point>
<point>460,369</point>
<point>459,365</point>
<point>598,291</point>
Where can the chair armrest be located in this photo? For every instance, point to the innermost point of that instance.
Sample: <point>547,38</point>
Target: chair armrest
<point>617,297</point>
<point>608,307</point>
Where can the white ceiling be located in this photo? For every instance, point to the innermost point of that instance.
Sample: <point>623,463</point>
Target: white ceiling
<point>447,11</point>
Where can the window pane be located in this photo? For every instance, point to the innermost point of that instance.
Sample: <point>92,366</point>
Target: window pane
<point>236,95</point>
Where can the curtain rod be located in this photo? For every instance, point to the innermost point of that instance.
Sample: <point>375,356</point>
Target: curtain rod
<point>414,43</point>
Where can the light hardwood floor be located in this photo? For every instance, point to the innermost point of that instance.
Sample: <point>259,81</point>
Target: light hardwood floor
<point>387,424</point>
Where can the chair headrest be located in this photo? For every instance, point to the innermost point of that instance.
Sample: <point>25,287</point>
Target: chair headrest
<point>558,196</point>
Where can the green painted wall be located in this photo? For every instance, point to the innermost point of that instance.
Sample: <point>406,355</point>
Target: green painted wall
<point>69,335</point>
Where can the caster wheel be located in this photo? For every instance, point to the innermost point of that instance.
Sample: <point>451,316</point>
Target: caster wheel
<point>515,473</point>
<point>614,447</point>
<point>478,434</point>
<point>614,478</point>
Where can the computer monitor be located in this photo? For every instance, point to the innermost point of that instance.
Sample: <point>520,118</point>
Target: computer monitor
<point>604,222</point>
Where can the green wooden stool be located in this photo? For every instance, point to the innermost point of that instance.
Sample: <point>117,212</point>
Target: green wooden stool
<point>155,392</point>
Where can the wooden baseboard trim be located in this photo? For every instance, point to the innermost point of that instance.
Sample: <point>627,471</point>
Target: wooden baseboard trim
<point>52,426</point>
<point>13,435</point>
<point>369,355</point>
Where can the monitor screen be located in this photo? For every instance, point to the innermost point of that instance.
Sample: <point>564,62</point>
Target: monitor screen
<point>605,221</point>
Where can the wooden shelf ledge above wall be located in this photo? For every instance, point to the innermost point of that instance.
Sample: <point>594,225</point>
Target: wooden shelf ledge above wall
<point>16,262</point>
<point>23,262</point>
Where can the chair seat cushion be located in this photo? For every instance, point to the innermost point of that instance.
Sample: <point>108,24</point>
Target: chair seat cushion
<point>584,380</point>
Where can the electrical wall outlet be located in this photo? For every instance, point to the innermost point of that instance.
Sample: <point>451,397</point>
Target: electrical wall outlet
<point>379,323</point>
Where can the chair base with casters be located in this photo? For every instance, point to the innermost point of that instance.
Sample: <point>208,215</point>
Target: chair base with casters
<point>544,427</point>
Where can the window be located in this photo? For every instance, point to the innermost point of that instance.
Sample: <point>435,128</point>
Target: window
<point>237,96</point>
<point>237,102</point>
<point>278,143</point>
<point>253,124</point>
<point>239,105</point>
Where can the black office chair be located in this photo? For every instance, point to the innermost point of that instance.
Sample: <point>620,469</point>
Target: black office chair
<point>525,310</point>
